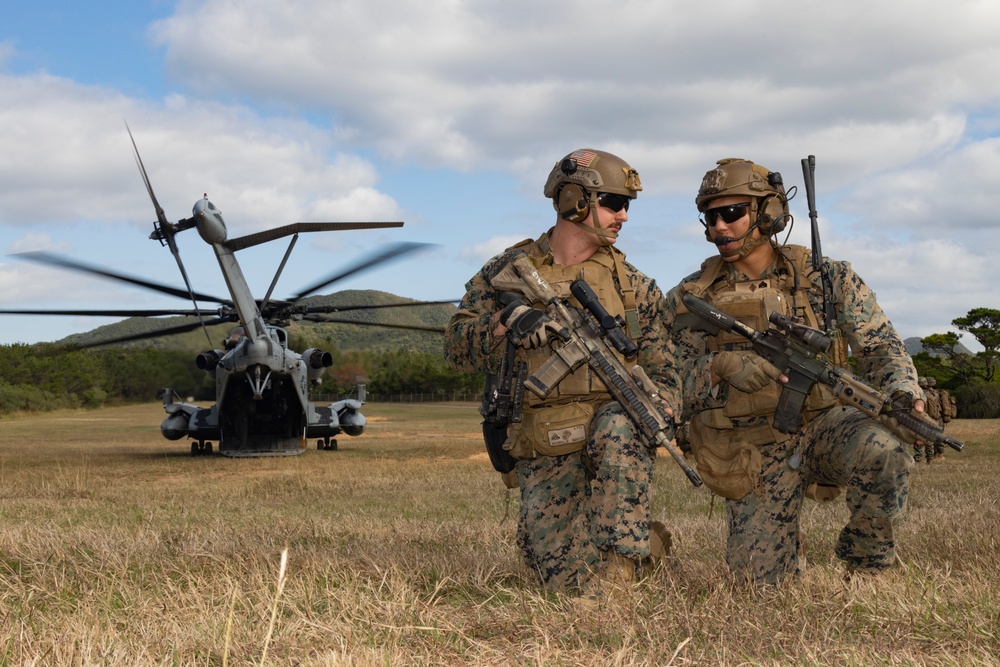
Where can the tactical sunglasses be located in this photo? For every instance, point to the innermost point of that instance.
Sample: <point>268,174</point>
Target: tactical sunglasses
<point>612,201</point>
<point>729,214</point>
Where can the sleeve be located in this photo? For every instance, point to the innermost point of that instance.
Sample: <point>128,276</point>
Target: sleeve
<point>693,359</point>
<point>656,350</point>
<point>469,344</point>
<point>879,351</point>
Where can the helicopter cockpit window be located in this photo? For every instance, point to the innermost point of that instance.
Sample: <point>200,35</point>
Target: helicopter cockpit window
<point>281,335</point>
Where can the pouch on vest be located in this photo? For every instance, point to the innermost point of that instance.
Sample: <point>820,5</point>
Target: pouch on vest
<point>558,430</point>
<point>728,463</point>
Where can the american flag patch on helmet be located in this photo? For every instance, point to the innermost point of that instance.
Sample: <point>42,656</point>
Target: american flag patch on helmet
<point>583,158</point>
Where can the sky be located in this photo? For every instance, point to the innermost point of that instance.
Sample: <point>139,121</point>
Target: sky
<point>449,114</point>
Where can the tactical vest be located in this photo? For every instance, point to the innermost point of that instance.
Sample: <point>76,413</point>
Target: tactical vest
<point>560,422</point>
<point>600,271</point>
<point>751,302</point>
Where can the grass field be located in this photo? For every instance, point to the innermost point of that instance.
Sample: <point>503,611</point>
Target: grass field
<point>119,548</point>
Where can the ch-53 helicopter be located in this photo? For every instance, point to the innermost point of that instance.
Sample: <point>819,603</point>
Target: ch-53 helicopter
<point>262,402</point>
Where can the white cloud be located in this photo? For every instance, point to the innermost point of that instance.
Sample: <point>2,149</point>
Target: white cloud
<point>67,157</point>
<point>480,252</point>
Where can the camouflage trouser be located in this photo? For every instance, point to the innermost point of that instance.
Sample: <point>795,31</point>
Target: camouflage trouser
<point>843,447</point>
<point>938,446</point>
<point>578,507</point>
<point>923,453</point>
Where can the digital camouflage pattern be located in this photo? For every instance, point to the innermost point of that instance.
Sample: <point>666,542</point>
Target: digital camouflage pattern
<point>841,446</point>
<point>581,508</point>
<point>578,508</point>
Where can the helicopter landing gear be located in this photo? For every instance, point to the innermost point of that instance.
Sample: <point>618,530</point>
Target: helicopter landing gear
<point>329,444</point>
<point>201,448</point>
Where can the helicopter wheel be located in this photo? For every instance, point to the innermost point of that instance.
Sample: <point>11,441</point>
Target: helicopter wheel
<point>319,445</point>
<point>333,445</point>
<point>194,449</point>
<point>208,448</point>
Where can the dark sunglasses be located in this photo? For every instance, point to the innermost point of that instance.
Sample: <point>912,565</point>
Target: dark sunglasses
<point>729,214</point>
<point>612,201</point>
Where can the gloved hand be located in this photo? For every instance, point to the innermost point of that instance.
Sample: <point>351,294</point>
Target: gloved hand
<point>902,400</point>
<point>746,371</point>
<point>529,327</point>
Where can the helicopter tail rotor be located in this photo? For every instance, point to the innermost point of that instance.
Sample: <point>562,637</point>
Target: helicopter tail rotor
<point>163,230</point>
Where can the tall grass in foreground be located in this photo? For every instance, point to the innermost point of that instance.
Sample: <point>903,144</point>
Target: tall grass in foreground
<point>119,548</point>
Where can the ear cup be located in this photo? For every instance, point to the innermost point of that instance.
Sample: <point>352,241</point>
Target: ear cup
<point>573,203</point>
<point>773,215</point>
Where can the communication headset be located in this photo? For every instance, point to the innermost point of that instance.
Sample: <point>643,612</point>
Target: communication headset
<point>772,214</point>
<point>573,203</point>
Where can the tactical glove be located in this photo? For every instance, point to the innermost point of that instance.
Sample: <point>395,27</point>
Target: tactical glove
<point>529,327</point>
<point>903,401</point>
<point>746,371</point>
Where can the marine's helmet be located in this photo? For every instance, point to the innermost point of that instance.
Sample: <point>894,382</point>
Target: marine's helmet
<point>931,382</point>
<point>922,382</point>
<point>576,181</point>
<point>736,176</point>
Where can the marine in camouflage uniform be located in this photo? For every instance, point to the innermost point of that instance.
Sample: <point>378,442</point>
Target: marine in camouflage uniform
<point>945,412</point>
<point>730,393</point>
<point>584,507</point>
<point>932,404</point>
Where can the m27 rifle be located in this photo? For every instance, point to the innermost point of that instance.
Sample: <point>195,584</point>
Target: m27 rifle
<point>587,336</point>
<point>797,351</point>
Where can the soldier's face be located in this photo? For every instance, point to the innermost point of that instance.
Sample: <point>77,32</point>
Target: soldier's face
<point>727,220</point>
<point>611,220</point>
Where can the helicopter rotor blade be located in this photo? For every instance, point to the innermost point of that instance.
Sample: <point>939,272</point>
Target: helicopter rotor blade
<point>373,306</point>
<point>52,259</point>
<point>249,240</point>
<point>391,253</point>
<point>163,226</point>
<point>168,331</point>
<point>337,320</point>
<point>112,313</point>
<point>160,215</point>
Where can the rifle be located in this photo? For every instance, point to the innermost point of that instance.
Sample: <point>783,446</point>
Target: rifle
<point>829,297</point>
<point>585,339</point>
<point>797,351</point>
<point>503,395</point>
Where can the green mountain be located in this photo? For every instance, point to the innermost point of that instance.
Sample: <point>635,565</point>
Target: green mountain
<point>367,335</point>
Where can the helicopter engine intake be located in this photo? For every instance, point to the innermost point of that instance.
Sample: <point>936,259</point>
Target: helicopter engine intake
<point>316,362</point>
<point>209,361</point>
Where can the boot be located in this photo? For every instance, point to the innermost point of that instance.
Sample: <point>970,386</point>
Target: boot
<point>617,573</point>
<point>660,542</point>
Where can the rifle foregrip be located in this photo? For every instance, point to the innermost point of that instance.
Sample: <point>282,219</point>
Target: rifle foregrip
<point>925,431</point>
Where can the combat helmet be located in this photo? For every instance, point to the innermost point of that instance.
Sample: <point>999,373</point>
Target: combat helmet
<point>922,382</point>
<point>576,181</point>
<point>736,176</point>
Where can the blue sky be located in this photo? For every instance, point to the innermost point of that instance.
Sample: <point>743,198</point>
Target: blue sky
<point>448,115</point>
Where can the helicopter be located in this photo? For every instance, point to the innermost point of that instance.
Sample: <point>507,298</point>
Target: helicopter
<point>262,403</point>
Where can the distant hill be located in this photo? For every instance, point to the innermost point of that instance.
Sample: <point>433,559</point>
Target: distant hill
<point>914,346</point>
<point>338,336</point>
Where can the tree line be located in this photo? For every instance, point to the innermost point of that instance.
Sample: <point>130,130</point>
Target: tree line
<point>47,376</point>
<point>35,378</point>
<point>970,378</point>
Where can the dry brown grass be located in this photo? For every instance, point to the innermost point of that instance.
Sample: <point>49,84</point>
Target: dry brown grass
<point>118,547</point>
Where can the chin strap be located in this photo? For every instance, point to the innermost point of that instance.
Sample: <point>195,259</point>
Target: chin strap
<point>604,235</point>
